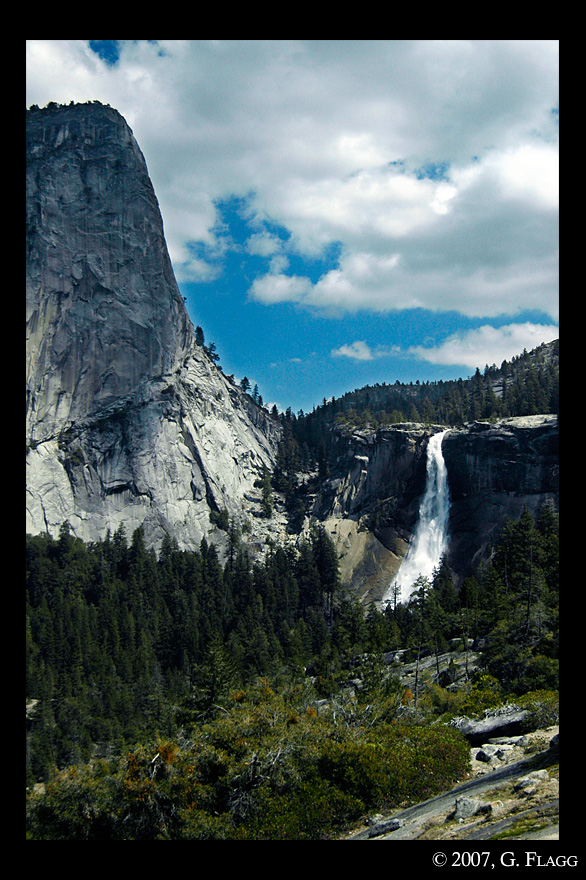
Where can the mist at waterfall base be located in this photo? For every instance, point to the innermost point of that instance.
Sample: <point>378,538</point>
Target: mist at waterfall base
<point>430,539</point>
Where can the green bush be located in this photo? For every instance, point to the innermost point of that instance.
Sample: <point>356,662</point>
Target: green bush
<point>422,761</point>
<point>269,769</point>
<point>356,768</point>
<point>485,693</point>
<point>543,706</point>
<point>314,811</point>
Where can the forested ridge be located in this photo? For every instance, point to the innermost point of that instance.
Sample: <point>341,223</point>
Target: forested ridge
<point>172,697</point>
<point>526,385</point>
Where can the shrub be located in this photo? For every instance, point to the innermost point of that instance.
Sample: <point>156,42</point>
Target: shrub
<point>73,807</point>
<point>270,769</point>
<point>485,693</point>
<point>357,768</point>
<point>313,812</point>
<point>543,706</point>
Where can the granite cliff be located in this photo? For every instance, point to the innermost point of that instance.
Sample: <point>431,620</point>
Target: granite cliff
<point>128,419</point>
<point>370,502</point>
<point>495,470</point>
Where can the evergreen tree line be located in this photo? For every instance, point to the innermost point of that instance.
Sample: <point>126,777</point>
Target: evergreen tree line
<point>525,385</point>
<point>509,609</point>
<point>215,751</point>
<point>122,642</point>
<point>117,636</point>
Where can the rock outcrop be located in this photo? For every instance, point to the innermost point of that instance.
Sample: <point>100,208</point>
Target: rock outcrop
<point>515,795</point>
<point>129,421</point>
<point>495,470</point>
<point>506,721</point>
<point>370,503</point>
<point>104,313</point>
<point>371,500</point>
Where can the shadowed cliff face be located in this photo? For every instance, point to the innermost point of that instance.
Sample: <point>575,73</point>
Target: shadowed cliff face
<point>370,468</point>
<point>371,502</point>
<point>495,470</point>
<point>128,420</point>
<point>103,308</point>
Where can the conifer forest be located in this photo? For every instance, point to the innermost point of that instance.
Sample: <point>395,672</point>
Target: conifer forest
<point>172,697</point>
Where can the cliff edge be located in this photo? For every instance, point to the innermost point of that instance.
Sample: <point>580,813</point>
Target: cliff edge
<point>129,421</point>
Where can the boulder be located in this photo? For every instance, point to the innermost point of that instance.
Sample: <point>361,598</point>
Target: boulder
<point>466,807</point>
<point>529,784</point>
<point>507,722</point>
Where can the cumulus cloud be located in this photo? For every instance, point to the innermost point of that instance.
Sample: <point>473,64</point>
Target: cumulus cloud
<point>472,348</point>
<point>358,351</point>
<point>332,140</point>
<point>276,288</point>
<point>263,244</point>
<point>487,345</point>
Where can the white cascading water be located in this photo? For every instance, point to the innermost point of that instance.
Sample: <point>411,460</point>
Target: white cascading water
<point>430,539</point>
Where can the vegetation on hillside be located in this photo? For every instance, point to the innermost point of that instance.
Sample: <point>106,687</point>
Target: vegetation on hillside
<point>525,385</point>
<point>172,697</point>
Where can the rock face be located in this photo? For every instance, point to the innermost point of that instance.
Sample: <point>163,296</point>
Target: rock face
<point>371,502</point>
<point>386,467</point>
<point>507,721</point>
<point>494,471</point>
<point>128,419</point>
<point>104,312</point>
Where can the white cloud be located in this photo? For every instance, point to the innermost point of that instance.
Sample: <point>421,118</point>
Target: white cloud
<point>375,207</point>
<point>276,288</point>
<point>327,138</point>
<point>365,281</point>
<point>472,348</point>
<point>358,351</point>
<point>527,173</point>
<point>263,244</point>
<point>487,345</point>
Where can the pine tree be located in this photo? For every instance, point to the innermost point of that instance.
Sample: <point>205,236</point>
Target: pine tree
<point>264,483</point>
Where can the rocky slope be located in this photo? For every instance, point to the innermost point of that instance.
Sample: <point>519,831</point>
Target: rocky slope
<point>494,471</point>
<point>512,793</point>
<point>128,420</point>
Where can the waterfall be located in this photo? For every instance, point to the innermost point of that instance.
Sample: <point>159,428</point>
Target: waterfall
<point>430,539</point>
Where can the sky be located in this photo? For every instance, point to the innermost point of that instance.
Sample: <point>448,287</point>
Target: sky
<point>343,212</point>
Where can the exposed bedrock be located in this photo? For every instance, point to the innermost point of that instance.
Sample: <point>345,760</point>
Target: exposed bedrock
<point>371,502</point>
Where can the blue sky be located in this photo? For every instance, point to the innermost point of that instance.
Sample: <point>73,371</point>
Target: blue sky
<point>343,212</point>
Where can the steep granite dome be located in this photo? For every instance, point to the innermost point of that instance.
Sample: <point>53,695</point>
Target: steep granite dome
<point>103,309</point>
<point>128,419</point>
